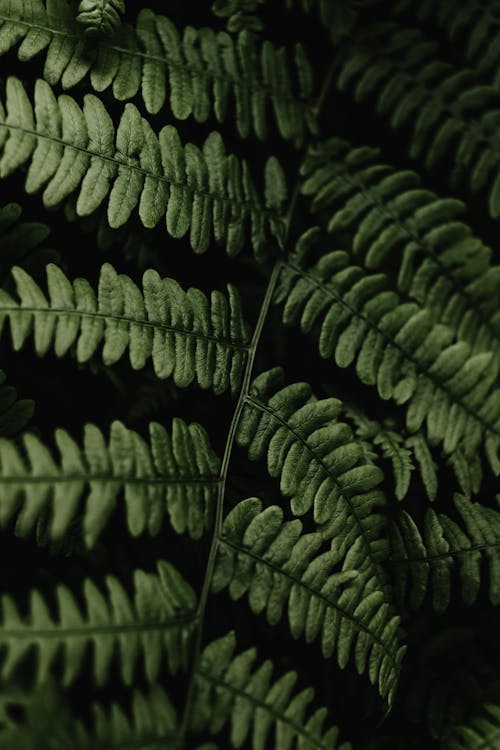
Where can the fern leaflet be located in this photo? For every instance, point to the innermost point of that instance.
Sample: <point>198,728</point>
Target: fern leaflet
<point>100,16</point>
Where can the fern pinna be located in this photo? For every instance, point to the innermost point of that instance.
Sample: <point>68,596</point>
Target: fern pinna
<point>250,393</point>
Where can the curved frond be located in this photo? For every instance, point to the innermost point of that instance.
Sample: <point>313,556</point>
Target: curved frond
<point>482,733</point>
<point>233,689</point>
<point>406,453</point>
<point>321,466</point>
<point>187,335</point>
<point>401,228</point>
<point>99,16</point>
<point>202,192</point>
<point>175,473</point>
<point>472,28</point>
<point>395,346</point>
<point>153,627</point>
<point>201,71</point>
<point>281,568</point>
<point>457,119</point>
<point>425,561</point>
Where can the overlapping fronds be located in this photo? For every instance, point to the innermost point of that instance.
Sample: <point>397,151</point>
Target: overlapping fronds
<point>151,628</point>
<point>321,466</point>
<point>399,227</point>
<point>234,689</point>
<point>425,561</point>
<point>456,121</point>
<point>395,346</point>
<point>175,473</point>
<point>201,72</point>
<point>100,16</point>
<point>200,191</point>
<point>147,720</point>
<point>187,335</point>
<point>406,453</point>
<point>481,733</point>
<point>15,413</point>
<point>472,28</point>
<point>281,568</point>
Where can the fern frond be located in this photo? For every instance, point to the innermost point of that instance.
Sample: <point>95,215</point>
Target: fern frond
<point>175,473</point>
<point>234,689</point>
<point>468,472</point>
<point>153,627</point>
<point>202,72</point>
<point>321,466</point>
<point>200,191</point>
<point>425,560</point>
<point>406,453</point>
<point>149,721</point>
<point>396,346</point>
<point>187,336</point>
<point>457,119</point>
<point>482,733</point>
<point>403,229</point>
<point>100,16</point>
<point>472,27</point>
<point>281,568</point>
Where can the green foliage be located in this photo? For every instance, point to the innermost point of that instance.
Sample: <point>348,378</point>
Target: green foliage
<point>201,72</point>
<point>230,688</point>
<point>152,626</point>
<point>187,335</point>
<point>278,566</point>
<point>483,732</point>
<point>335,516</point>
<point>426,560</point>
<point>396,71</point>
<point>176,473</point>
<point>202,192</point>
<point>396,346</point>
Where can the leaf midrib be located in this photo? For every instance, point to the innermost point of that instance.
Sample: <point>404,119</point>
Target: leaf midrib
<point>251,84</point>
<point>313,281</point>
<point>129,322</point>
<point>314,592</point>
